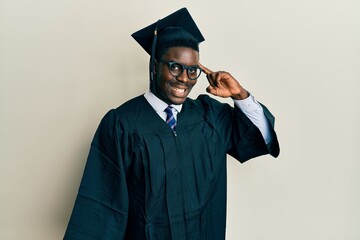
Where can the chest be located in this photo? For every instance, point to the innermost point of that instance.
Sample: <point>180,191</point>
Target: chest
<point>192,161</point>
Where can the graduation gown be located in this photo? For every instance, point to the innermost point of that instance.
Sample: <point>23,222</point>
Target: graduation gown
<point>143,181</point>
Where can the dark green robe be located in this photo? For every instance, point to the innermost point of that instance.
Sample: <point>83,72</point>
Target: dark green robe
<point>142,181</point>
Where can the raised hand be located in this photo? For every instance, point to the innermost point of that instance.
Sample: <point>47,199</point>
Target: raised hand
<point>224,85</point>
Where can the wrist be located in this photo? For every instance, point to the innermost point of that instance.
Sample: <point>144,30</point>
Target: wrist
<point>241,96</point>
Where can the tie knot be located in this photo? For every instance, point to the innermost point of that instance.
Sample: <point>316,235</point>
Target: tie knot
<point>168,110</point>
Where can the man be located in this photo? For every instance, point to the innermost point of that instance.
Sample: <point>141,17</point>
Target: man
<point>157,164</point>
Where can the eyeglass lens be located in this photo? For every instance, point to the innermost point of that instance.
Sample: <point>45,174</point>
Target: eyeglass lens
<point>176,69</point>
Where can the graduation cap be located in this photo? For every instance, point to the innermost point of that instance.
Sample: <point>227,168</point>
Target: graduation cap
<point>175,27</point>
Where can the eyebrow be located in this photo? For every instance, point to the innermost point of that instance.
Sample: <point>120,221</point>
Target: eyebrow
<point>173,61</point>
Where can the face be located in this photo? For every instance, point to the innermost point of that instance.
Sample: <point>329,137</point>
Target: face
<point>174,90</point>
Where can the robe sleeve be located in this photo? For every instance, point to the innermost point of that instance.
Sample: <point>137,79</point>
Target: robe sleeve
<point>273,146</point>
<point>246,140</point>
<point>242,139</point>
<point>101,206</point>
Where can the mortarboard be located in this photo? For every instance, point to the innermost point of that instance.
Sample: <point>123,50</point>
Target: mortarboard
<point>176,26</point>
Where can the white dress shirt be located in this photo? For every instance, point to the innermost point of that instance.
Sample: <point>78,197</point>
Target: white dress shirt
<point>249,106</point>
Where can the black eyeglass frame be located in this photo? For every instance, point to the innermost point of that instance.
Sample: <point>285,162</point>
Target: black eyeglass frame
<point>184,67</point>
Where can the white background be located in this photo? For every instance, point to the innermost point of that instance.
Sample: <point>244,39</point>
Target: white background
<point>65,63</point>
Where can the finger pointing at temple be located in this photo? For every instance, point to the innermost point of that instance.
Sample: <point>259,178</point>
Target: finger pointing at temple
<point>205,69</point>
<point>209,74</point>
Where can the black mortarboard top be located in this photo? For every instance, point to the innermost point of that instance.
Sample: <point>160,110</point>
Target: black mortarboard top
<point>176,26</point>
<point>181,18</point>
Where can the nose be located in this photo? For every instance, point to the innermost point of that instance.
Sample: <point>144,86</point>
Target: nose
<point>183,77</point>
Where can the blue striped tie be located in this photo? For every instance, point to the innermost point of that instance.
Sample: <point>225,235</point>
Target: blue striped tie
<point>170,120</point>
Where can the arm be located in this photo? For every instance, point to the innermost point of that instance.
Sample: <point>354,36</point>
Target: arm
<point>223,84</point>
<point>101,207</point>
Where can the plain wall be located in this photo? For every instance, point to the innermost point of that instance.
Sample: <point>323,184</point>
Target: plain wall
<point>64,64</point>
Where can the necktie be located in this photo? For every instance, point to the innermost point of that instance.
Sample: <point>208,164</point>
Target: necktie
<point>170,120</point>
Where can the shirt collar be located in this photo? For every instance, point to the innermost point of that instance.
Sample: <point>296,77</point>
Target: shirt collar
<point>158,104</point>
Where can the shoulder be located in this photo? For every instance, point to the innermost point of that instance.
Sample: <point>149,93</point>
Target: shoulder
<point>206,103</point>
<point>207,108</point>
<point>200,101</point>
<point>132,105</point>
<point>128,110</point>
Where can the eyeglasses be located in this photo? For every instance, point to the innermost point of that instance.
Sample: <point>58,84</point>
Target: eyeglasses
<point>176,69</point>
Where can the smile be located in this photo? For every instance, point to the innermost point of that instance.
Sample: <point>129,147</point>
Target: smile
<point>179,90</point>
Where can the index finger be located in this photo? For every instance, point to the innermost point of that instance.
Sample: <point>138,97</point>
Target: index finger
<point>205,69</point>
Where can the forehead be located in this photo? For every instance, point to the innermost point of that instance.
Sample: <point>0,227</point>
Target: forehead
<point>183,55</point>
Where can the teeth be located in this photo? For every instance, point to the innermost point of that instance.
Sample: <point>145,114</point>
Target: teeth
<point>179,89</point>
